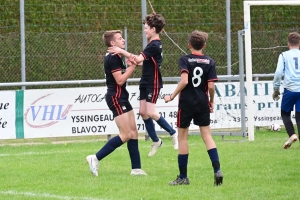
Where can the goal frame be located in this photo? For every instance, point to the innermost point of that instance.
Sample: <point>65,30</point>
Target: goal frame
<point>248,54</point>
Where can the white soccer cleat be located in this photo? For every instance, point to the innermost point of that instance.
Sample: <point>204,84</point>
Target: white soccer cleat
<point>291,140</point>
<point>138,172</point>
<point>175,141</point>
<point>154,147</point>
<point>93,163</point>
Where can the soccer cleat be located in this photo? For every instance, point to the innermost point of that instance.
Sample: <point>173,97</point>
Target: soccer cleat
<point>218,178</point>
<point>290,141</point>
<point>180,181</point>
<point>175,141</point>
<point>93,163</point>
<point>138,172</point>
<point>154,147</point>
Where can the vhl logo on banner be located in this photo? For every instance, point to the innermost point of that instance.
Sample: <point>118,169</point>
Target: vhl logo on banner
<point>39,115</point>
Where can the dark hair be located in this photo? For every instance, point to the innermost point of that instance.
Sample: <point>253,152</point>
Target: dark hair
<point>109,36</point>
<point>155,20</point>
<point>197,39</point>
<point>294,39</point>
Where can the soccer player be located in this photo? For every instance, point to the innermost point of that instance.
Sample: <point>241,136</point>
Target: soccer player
<point>288,65</point>
<point>151,80</point>
<point>118,102</point>
<point>198,74</point>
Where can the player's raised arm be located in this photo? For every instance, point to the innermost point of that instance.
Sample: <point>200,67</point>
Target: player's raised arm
<point>121,76</point>
<point>116,50</point>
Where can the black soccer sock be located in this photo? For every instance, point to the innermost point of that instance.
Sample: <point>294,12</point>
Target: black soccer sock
<point>298,122</point>
<point>133,149</point>
<point>165,125</point>
<point>109,147</point>
<point>214,157</point>
<point>151,129</point>
<point>286,118</point>
<point>182,164</point>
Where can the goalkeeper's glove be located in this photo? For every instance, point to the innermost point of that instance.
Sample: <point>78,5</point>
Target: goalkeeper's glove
<point>276,94</point>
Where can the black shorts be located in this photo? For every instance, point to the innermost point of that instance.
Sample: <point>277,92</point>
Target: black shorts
<point>184,118</point>
<point>150,94</point>
<point>117,106</point>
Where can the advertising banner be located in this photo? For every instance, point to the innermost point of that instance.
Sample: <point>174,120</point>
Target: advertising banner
<point>83,111</point>
<point>7,115</point>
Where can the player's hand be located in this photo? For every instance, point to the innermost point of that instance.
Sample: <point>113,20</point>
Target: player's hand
<point>114,50</point>
<point>131,60</point>
<point>167,98</point>
<point>211,107</point>
<point>276,94</point>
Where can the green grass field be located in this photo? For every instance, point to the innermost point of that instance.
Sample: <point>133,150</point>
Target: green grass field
<point>50,169</point>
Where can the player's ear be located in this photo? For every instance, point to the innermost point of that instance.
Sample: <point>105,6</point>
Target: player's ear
<point>154,29</point>
<point>204,46</point>
<point>190,46</point>
<point>112,43</point>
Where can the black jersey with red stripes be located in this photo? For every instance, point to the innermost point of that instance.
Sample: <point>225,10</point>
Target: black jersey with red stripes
<point>114,63</point>
<point>151,76</point>
<point>201,69</point>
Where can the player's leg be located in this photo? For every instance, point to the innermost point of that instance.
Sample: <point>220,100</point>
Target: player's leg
<point>289,99</point>
<point>183,123</point>
<point>147,120</point>
<point>121,118</point>
<point>203,121</point>
<point>133,148</point>
<point>156,142</point>
<point>297,114</point>
<point>152,96</point>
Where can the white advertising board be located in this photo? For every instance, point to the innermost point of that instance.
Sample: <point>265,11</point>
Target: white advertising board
<point>7,115</point>
<point>83,111</point>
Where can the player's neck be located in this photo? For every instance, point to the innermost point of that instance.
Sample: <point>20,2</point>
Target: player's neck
<point>196,52</point>
<point>154,37</point>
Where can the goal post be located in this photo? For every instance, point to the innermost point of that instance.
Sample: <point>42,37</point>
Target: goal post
<point>248,54</point>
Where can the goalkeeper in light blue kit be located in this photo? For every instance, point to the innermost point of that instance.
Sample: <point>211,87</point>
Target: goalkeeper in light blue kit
<point>288,66</point>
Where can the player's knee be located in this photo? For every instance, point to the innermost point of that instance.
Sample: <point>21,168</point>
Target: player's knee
<point>153,115</point>
<point>127,138</point>
<point>143,113</point>
<point>134,134</point>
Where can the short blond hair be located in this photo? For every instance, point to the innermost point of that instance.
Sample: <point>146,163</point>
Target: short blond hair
<point>197,39</point>
<point>109,36</point>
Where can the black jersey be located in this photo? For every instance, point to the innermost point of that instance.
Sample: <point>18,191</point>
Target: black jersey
<point>151,76</point>
<point>201,69</point>
<point>114,63</point>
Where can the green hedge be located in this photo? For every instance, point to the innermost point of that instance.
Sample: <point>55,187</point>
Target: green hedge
<point>183,15</point>
<point>63,37</point>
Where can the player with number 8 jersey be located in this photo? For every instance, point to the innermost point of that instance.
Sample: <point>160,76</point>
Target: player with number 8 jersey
<point>201,69</point>
<point>198,74</point>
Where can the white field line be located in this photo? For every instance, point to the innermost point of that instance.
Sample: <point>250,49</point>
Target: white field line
<point>45,195</point>
<point>124,146</point>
